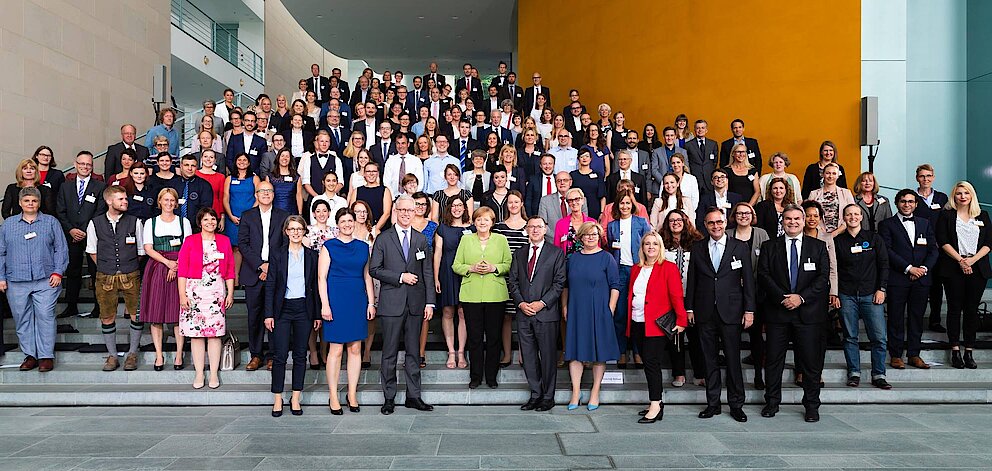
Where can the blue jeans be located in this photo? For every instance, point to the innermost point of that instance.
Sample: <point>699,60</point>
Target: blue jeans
<point>620,314</point>
<point>32,303</point>
<point>853,308</point>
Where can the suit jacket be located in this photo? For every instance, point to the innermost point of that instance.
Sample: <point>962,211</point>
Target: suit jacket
<point>308,136</point>
<point>578,134</point>
<point>324,86</point>
<point>660,165</point>
<point>486,105</point>
<point>640,187</point>
<point>505,135</point>
<point>275,288</point>
<point>723,294</point>
<point>664,294</point>
<point>904,252</point>
<point>517,95</point>
<point>529,98</point>
<point>344,88</point>
<point>250,241</point>
<point>811,285</point>
<point>546,285</point>
<point>75,215</point>
<point>948,234</point>
<point>753,152</point>
<point>475,92</point>
<point>702,161</point>
<point>535,187</point>
<point>338,145</point>
<point>708,199</point>
<point>413,105</point>
<point>376,153</point>
<point>926,211</point>
<point>438,77</point>
<point>356,97</point>
<point>236,145</point>
<point>112,161</point>
<point>387,264</point>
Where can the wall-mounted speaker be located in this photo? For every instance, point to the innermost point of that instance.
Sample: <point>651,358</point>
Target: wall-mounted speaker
<point>869,121</point>
<point>159,83</point>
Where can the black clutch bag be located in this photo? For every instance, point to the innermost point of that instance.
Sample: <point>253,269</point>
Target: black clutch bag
<point>666,322</point>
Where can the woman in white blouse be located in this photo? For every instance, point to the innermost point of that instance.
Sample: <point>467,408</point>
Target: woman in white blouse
<point>687,183</point>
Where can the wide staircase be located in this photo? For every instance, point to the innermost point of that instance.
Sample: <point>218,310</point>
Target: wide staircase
<point>78,379</point>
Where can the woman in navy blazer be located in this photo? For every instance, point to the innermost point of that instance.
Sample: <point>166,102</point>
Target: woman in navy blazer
<point>965,241</point>
<point>291,310</point>
<point>624,242</point>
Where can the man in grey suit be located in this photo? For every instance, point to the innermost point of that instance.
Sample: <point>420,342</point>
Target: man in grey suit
<point>402,262</point>
<point>537,277</point>
<point>702,154</point>
<point>553,207</point>
<point>661,160</point>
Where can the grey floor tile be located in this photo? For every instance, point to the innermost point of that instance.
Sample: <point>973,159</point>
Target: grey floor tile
<point>954,442</point>
<point>18,411</point>
<point>656,461</point>
<point>797,443</point>
<point>613,443</point>
<point>978,422</point>
<point>39,464</point>
<point>669,424</point>
<point>135,411</point>
<point>792,420</point>
<point>92,445</point>
<point>179,446</point>
<point>28,424</point>
<point>139,425</point>
<point>73,411</point>
<point>282,463</point>
<point>435,462</point>
<point>322,444</point>
<point>287,423</point>
<point>932,461</point>
<point>543,462</point>
<point>819,461</point>
<point>125,464</point>
<point>374,423</point>
<point>741,461</point>
<point>215,464</point>
<point>499,443</point>
<point>869,422</point>
<point>498,423</point>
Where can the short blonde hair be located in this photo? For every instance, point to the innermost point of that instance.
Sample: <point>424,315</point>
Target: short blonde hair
<point>484,211</point>
<point>640,250</point>
<point>166,191</point>
<point>588,228</point>
<point>581,193</point>
<point>861,179</point>
<point>508,148</point>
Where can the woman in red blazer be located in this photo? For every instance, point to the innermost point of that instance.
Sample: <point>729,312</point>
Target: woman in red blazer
<point>655,289</point>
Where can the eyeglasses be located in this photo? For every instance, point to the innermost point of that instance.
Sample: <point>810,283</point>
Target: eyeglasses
<point>676,220</point>
<point>43,154</point>
<point>907,201</point>
<point>591,234</point>
<point>564,136</point>
<point>361,211</point>
<point>573,200</point>
<point>420,204</point>
<point>84,164</point>
<point>264,191</point>
<point>718,222</point>
<point>534,228</point>
<point>719,177</point>
<point>404,210</point>
<point>295,229</point>
<point>743,213</point>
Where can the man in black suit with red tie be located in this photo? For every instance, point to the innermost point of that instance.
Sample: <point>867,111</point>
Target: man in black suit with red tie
<point>470,83</point>
<point>112,162</point>
<point>794,272</point>
<point>753,151</point>
<point>702,155</point>
<point>319,85</point>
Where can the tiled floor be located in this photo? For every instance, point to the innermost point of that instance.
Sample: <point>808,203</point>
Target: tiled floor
<point>493,437</point>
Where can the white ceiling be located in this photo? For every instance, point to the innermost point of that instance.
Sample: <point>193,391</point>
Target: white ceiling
<point>392,34</point>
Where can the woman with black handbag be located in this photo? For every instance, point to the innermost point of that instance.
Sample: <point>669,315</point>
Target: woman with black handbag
<point>657,314</point>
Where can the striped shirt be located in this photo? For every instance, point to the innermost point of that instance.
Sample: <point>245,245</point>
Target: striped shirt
<point>31,251</point>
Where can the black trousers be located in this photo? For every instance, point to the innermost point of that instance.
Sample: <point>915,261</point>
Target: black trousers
<point>293,323</point>
<point>695,353</point>
<point>484,322</point>
<point>73,280</point>
<point>906,305</point>
<point>936,298</point>
<point>964,294</point>
<point>809,359</point>
<point>651,349</point>
<point>538,341</point>
<point>757,338</point>
<point>255,301</point>
<point>710,335</point>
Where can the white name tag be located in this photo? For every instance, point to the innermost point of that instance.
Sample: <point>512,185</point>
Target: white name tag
<point>116,182</point>
<point>217,256</point>
<point>736,264</point>
<point>750,177</point>
<point>475,89</point>
<point>30,235</point>
<point>978,223</point>
<point>421,255</point>
<point>593,175</point>
<point>857,249</point>
<point>90,199</point>
<point>564,238</point>
<point>750,154</point>
<point>921,241</point>
<point>616,245</point>
<point>511,178</point>
<point>213,167</point>
<point>712,157</point>
<point>48,184</point>
<point>287,179</point>
<point>725,205</point>
<point>175,242</point>
<point>809,266</point>
<point>637,189</point>
<point>599,153</point>
<point>644,166</point>
<point>130,240</point>
<point>235,182</point>
<point>138,198</point>
<point>253,152</point>
<point>466,231</point>
<point>182,201</point>
<point>881,200</point>
<point>932,206</point>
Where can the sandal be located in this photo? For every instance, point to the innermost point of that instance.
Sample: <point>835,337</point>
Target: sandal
<point>462,363</point>
<point>451,360</point>
<point>423,362</point>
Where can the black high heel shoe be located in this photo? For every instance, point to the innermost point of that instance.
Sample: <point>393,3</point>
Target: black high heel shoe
<point>277,413</point>
<point>355,409</point>
<point>334,411</point>
<point>296,411</point>
<point>159,367</point>
<point>650,420</point>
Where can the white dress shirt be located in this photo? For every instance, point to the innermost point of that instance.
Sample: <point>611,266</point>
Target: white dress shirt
<point>266,222</point>
<point>391,174</point>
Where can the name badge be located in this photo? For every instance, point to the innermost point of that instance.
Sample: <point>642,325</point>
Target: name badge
<point>757,251</point>
<point>599,153</point>
<point>616,244</point>
<point>736,264</point>
<point>750,154</point>
<point>644,166</point>
<point>213,167</point>
<point>881,200</point>
<point>182,201</point>
<point>564,238</point>
<point>90,199</point>
<point>921,241</point>
<point>138,198</point>
<point>116,182</point>
<point>712,157</point>
<point>750,177</point>
<point>593,175</point>
<point>217,256</point>
<point>857,249</point>
<point>466,231</point>
<point>235,181</point>
<point>932,206</point>
<point>511,178</point>
<point>809,266</point>
<point>48,184</point>
<point>523,232</point>
<point>287,179</point>
<point>30,235</point>
<point>725,205</point>
<point>978,223</point>
<point>475,89</point>
<point>253,152</point>
<point>130,240</point>
<point>637,189</point>
<point>175,242</point>
<point>421,255</point>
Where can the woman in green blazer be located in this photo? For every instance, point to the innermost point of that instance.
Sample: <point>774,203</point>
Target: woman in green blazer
<point>483,261</point>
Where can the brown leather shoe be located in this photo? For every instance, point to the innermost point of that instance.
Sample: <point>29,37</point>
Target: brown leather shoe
<point>917,362</point>
<point>131,362</point>
<point>111,364</point>
<point>253,364</point>
<point>897,363</point>
<point>29,363</point>
<point>46,364</point>
<point>268,364</point>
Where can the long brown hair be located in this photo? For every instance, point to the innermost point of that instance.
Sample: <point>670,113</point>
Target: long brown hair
<point>689,232</point>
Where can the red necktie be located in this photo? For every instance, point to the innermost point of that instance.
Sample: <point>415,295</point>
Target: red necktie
<point>547,185</point>
<point>564,209</point>
<point>532,262</point>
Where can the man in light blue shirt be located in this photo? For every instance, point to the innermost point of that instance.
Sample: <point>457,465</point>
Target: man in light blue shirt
<point>434,166</point>
<point>33,259</point>
<point>566,156</point>
<point>167,117</point>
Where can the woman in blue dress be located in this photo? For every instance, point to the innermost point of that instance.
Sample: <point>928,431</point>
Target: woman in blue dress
<point>455,223</point>
<point>344,268</point>
<point>421,222</point>
<point>598,147</point>
<point>589,300</point>
<point>286,184</point>
<point>238,197</point>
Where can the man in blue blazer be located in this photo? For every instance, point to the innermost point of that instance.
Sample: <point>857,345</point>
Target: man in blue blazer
<point>247,142</point>
<point>415,98</point>
<point>912,250</point>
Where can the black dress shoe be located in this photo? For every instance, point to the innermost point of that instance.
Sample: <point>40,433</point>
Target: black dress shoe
<point>492,385</point>
<point>881,383</point>
<point>315,367</point>
<point>388,407</point>
<point>418,404</point>
<point>474,383</point>
<point>969,360</point>
<point>769,410</point>
<point>505,364</point>
<point>709,412</point>
<point>748,360</point>
<point>531,404</point>
<point>366,364</point>
<point>339,411</point>
<point>812,415</point>
<point>956,360</point>
<point>545,405</point>
<point>759,383</point>
<point>277,413</point>
<point>738,415</point>
<point>936,327</point>
<point>67,312</point>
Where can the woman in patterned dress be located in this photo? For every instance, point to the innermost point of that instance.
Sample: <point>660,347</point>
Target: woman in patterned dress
<point>206,292</point>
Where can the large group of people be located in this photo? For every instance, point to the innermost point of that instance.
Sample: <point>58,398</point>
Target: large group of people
<point>345,214</point>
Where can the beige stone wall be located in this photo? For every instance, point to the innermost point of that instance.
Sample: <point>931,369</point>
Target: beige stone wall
<point>289,51</point>
<point>71,72</point>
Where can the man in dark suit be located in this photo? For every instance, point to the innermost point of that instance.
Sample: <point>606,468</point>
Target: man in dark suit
<point>661,158</point>
<point>436,106</point>
<point>929,202</point>
<point>717,196</point>
<point>573,123</point>
<point>339,134</point>
<point>247,142</point>
<point>505,135</point>
<point>540,185</point>
<point>912,250</point>
<point>573,97</point>
<point>794,272</point>
<point>463,145</point>
<point>500,79</point>
<point>702,155</point>
<point>719,298</point>
<point>384,146</point>
<point>112,161</point>
<point>417,97</point>
<point>536,280</point>
<point>492,101</point>
<point>624,172</point>
<point>530,95</point>
<point>79,199</point>
<point>514,91</point>
<point>259,234</point>
<point>470,83</point>
<point>753,151</point>
<point>401,261</point>
<point>318,84</point>
<point>433,74</point>
<point>362,92</point>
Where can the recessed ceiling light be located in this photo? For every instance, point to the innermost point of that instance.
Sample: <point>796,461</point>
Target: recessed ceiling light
<point>320,16</point>
<point>454,17</point>
<point>420,17</point>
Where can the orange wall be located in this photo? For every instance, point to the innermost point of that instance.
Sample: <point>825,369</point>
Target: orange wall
<point>791,70</point>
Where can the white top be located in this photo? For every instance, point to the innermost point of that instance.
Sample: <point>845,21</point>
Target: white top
<point>626,255</point>
<point>304,168</point>
<point>296,145</point>
<point>690,188</point>
<point>357,179</point>
<point>544,129</point>
<point>266,223</point>
<point>967,236</point>
<point>163,229</point>
<point>336,202</point>
<point>391,174</point>
<point>640,292</point>
<point>138,233</point>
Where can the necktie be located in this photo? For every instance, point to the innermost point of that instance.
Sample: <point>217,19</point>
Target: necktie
<point>185,204</point>
<point>463,152</point>
<point>715,255</point>
<point>399,182</point>
<point>547,184</point>
<point>416,97</point>
<point>700,141</point>
<point>337,136</point>
<point>909,219</point>
<point>531,262</point>
<point>564,209</point>
<point>406,246</point>
<point>82,186</point>
<point>385,150</point>
<point>794,265</point>
<point>434,112</point>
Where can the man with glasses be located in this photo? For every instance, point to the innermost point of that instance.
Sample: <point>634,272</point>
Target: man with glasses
<point>384,146</point>
<point>194,192</point>
<point>566,156</point>
<point>246,142</point>
<point>465,145</point>
<point>929,202</point>
<point>702,156</point>
<point>268,160</point>
<point>79,199</point>
<point>400,164</point>
<point>554,206</point>
<point>753,151</point>
<point>167,117</point>
<point>718,196</point>
<point>434,167</point>
<point>112,161</point>
<point>259,233</point>
<point>339,134</point>
<point>573,121</point>
<point>912,250</point>
<point>530,95</point>
<point>513,91</point>
<point>573,97</point>
<point>536,280</point>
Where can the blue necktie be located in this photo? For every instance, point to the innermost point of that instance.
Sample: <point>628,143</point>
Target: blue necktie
<point>185,204</point>
<point>82,186</point>
<point>794,265</point>
<point>716,256</point>
<point>463,152</point>
<point>406,246</point>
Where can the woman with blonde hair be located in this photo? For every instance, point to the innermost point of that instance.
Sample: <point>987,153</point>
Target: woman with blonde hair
<point>742,176</point>
<point>874,208</point>
<point>814,179</point>
<point>26,174</point>
<point>833,198</point>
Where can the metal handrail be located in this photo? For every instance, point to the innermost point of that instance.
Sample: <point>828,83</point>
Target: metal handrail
<point>202,28</point>
<point>987,205</point>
